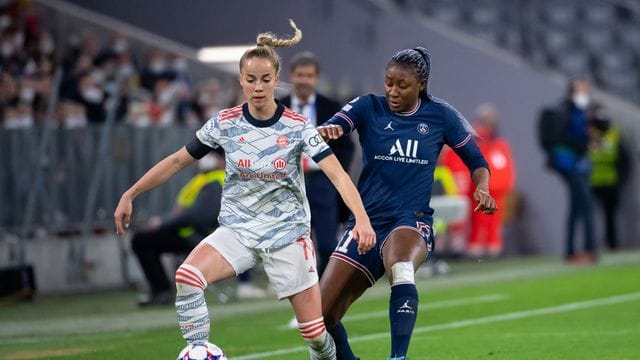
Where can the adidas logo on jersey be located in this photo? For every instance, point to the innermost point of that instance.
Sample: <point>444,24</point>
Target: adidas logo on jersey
<point>311,269</point>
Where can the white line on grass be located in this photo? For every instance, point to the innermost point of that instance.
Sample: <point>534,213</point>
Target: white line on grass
<point>434,305</point>
<point>579,305</point>
<point>426,307</point>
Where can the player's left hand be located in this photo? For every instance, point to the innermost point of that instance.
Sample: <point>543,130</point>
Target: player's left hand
<point>486,203</point>
<point>365,236</point>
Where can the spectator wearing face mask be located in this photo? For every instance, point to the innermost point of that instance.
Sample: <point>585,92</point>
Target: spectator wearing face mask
<point>155,68</point>
<point>563,135</point>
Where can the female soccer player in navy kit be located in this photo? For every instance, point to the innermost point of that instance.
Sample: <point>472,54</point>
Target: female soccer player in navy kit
<point>401,135</point>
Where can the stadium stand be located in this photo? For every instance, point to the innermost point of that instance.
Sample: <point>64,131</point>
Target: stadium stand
<point>572,37</point>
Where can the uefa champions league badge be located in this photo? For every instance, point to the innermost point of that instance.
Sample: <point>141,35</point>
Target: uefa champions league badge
<point>423,128</point>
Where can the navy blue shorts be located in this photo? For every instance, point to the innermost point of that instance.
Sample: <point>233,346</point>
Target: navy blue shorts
<point>371,263</point>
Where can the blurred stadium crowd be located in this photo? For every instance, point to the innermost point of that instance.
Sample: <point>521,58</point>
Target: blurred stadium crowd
<point>153,88</point>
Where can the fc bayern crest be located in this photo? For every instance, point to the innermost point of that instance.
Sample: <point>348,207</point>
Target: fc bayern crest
<point>279,164</point>
<point>282,141</point>
<point>423,128</point>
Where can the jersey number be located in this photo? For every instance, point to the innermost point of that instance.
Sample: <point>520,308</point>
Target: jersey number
<point>344,247</point>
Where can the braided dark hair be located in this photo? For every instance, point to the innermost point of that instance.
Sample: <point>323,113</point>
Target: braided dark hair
<point>417,59</point>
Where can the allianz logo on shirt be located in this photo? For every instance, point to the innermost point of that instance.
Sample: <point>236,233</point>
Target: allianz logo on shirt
<point>405,153</point>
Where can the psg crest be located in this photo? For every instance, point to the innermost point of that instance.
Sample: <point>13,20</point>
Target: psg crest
<point>423,128</point>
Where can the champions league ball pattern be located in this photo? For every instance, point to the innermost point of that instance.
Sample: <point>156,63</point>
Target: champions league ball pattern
<point>201,351</point>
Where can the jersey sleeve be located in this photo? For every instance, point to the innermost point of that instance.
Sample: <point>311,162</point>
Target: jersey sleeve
<point>209,133</point>
<point>459,135</point>
<point>350,116</point>
<point>313,144</point>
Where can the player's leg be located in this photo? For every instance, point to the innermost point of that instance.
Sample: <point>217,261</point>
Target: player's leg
<point>403,252</point>
<point>219,256</point>
<point>308,309</point>
<point>322,197</point>
<point>293,275</point>
<point>341,285</point>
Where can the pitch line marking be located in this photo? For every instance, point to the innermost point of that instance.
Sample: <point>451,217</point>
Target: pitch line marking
<point>426,307</point>
<point>579,305</point>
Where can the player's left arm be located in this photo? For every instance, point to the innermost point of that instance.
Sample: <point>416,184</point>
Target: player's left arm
<point>362,231</point>
<point>459,135</point>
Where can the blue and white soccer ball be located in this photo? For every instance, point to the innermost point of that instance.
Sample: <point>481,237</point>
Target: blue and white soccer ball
<point>201,351</point>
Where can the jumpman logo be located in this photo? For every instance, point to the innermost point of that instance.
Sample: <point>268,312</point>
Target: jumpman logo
<point>406,308</point>
<point>389,127</point>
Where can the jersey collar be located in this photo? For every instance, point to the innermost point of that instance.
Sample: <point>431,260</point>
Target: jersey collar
<point>262,123</point>
<point>412,111</point>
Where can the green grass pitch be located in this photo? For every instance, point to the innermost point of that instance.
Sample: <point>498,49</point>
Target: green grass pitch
<point>530,308</point>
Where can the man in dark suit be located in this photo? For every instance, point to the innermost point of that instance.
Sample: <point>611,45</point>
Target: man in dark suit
<point>323,200</point>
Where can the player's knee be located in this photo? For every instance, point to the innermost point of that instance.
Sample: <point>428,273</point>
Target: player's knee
<point>402,273</point>
<point>189,279</point>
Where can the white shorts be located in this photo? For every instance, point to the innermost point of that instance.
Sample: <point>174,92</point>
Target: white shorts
<point>290,269</point>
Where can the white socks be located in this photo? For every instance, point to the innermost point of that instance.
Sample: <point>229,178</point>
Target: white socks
<point>320,343</point>
<point>193,315</point>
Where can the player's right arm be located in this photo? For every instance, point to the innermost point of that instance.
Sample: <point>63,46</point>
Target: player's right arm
<point>344,121</point>
<point>205,141</point>
<point>156,176</point>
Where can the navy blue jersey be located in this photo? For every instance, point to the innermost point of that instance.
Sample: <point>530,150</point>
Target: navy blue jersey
<point>400,152</point>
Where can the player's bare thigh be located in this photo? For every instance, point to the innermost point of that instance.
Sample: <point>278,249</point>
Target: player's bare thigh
<point>210,262</point>
<point>306,304</point>
<point>404,245</point>
<point>341,284</point>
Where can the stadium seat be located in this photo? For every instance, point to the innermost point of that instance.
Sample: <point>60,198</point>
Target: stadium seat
<point>558,14</point>
<point>598,14</point>
<point>597,40</point>
<point>574,62</point>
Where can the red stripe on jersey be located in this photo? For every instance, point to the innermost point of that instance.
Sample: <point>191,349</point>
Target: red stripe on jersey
<point>229,115</point>
<point>347,119</point>
<point>293,115</point>
<point>463,142</point>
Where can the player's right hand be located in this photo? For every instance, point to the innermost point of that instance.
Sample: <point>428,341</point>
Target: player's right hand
<point>122,215</point>
<point>365,236</point>
<point>330,132</point>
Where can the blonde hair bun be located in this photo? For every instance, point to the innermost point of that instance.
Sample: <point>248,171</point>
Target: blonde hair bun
<point>269,39</point>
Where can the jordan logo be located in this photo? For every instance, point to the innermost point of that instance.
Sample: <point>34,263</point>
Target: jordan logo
<point>406,308</point>
<point>389,127</point>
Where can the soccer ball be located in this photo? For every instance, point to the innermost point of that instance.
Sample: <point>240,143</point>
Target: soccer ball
<point>201,351</point>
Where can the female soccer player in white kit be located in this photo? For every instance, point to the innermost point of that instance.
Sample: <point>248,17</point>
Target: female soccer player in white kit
<point>264,213</point>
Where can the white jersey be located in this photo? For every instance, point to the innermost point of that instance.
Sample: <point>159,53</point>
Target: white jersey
<point>263,198</point>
